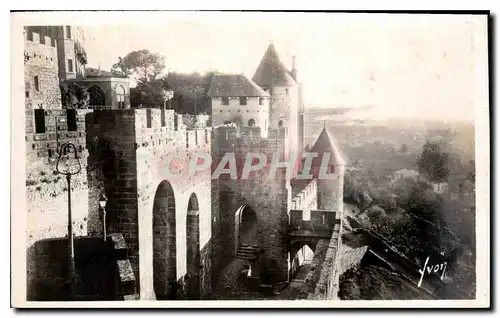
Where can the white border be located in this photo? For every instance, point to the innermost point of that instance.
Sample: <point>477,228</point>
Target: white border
<point>18,206</point>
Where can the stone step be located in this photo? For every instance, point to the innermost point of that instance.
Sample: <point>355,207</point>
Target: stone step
<point>245,256</point>
<point>248,248</point>
<point>247,251</point>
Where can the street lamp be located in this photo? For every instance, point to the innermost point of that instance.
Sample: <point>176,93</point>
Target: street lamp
<point>72,167</point>
<point>102,203</point>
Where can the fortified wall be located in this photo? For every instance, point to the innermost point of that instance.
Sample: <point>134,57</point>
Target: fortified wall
<point>41,72</point>
<point>268,198</point>
<point>142,152</point>
<point>47,190</point>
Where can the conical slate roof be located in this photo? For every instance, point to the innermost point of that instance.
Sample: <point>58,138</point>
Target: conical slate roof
<point>327,143</point>
<point>271,72</point>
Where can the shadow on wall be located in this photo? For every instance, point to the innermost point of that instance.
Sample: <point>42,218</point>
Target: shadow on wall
<point>99,266</point>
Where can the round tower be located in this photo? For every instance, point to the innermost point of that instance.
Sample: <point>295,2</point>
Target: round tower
<point>329,168</point>
<point>285,103</point>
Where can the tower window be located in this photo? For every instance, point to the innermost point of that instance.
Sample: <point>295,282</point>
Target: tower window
<point>286,91</point>
<point>37,84</point>
<point>261,101</point>
<point>225,100</point>
<point>243,100</point>
<point>39,121</point>
<point>280,123</point>
<point>70,65</point>
<point>68,32</point>
<point>71,119</point>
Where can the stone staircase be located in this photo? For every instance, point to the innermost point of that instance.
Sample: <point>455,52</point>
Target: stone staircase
<point>247,252</point>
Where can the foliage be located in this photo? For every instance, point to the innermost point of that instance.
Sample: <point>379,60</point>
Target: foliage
<point>152,94</point>
<point>433,162</point>
<point>74,96</point>
<point>142,65</point>
<point>145,68</point>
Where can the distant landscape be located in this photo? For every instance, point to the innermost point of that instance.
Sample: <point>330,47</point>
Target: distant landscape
<point>407,213</point>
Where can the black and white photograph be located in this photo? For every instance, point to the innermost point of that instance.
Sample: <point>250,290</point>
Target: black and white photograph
<point>270,159</point>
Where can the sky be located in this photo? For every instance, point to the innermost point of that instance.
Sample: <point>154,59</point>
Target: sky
<point>416,66</point>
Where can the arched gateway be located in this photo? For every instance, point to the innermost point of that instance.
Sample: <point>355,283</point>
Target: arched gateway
<point>164,243</point>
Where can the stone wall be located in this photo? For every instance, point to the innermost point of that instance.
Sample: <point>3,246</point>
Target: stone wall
<point>269,198</point>
<point>307,199</point>
<point>284,106</point>
<point>41,62</point>
<point>102,268</point>
<point>46,189</point>
<point>138,149</point>
<point>241,114</point>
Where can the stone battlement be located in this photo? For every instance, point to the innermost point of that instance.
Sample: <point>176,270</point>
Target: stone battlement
<point>305,197</point>
<point>230,138</point>
<point>47,129</point>
<point>321,220</point>
<point>40,53</point>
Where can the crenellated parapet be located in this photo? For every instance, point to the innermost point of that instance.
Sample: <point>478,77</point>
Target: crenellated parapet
<point>306,199</point>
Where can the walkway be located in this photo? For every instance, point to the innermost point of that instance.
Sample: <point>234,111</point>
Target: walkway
<point>228,286</point>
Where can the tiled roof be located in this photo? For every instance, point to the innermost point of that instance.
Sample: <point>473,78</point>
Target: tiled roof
<point>189,85</point>
<point>271,71</point>
<point>326,143</point>
<point>94,72</point>
<point>231,85</point>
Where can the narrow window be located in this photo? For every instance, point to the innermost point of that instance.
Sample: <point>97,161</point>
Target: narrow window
<point>149,118</point>
<point>70,65</point>
<point>243,100</point>
<point>225,100</point>
<point>27,94</point>
<point>68,32</point>
<point>286,91</point>
<point>261,101</point>
<point>37,84</point>
<point>71,119</point>
<point>39,121</point>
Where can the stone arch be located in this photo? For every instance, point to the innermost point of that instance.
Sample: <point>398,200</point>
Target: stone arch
<point>193,258</point>
<point>300,254</point>
<point>97,96</point>
<point>164,243</point>
<point>251,122</point>
<point>245,226</point>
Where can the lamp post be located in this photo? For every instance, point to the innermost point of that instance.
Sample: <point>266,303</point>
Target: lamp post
<point>102,203</point>
<point>64,151</point>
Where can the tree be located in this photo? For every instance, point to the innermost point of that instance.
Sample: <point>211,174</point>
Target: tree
<point>145,68</point>
<point>433,162</point>
<point>74,96</point>
<point>142,65</point>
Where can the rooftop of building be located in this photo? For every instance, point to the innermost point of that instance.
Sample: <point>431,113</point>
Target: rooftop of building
<point>229,85</point>
<point>271,71</point>
<point>327,143</point>
<point>97,72</point>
